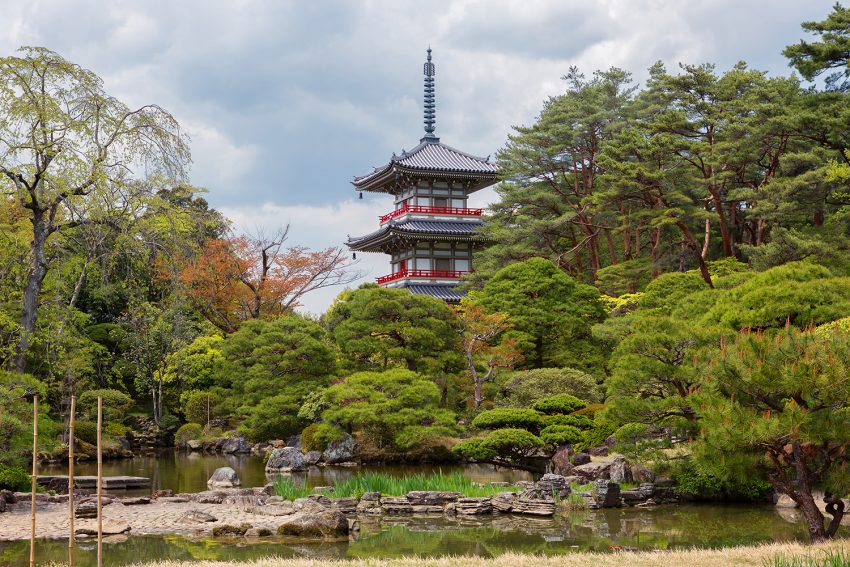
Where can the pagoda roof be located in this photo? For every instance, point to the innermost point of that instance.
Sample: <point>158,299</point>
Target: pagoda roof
<point>433,158</point>
<point>448,293</point>
<point>406,229</point>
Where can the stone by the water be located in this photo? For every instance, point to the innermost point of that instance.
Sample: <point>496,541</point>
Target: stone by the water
<point>223,477</point>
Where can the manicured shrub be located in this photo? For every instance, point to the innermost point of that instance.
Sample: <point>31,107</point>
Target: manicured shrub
<point>85,430</point>
<point>562,403</point>
<point>15,479</point>
<point>116,404</point>
<point>579,421</point>
<point>317,436</point>
<point>200,405</point>
<point>521,389</point>
<point>115,429</point>
<point>507,417</point>
<point>475,450</point>
<point>631,432</point>
<point>561,435</point>
<point>187,432</point>
<point>512,443</point>
<point>590,410</point>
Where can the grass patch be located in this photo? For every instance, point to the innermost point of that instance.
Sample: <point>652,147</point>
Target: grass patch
<point>825,558</point>
<point>388,485</point>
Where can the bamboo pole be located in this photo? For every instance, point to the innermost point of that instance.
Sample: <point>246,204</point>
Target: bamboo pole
<point>99,483</point>
<point>34,475</point>
<point>71,482</point>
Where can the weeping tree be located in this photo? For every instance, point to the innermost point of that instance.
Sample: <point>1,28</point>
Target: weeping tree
<point>778,405</point>
<point>67,154</point>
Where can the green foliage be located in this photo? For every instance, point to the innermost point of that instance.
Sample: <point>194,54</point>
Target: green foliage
<point>475,450</point>
<point>522,389</point>
<point>200,406</point>
<point>85,430</point>
<point>115,404</point>
<point>378,328</point>
<point>577,421</point>
<point>667,290</point>
<point>511,443</point>
<point>114,429</point>
<point>317,436</point>
<point>562,403</point>
<point>274,417</point>
<point>15,479</point>
<point>187,432</point>
<point>830,54</point>
<point>551,314</point>
<point>507,417</point>
<point>696,482</point>
<point>561,435</point>
<point>821,558</point>
<point>393,410</point>
<point>286,488</point>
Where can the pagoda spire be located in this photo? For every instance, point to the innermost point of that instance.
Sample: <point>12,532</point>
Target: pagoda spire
<point>430,104</point>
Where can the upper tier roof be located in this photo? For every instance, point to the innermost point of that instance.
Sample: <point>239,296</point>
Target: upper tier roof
<point>431,157</point>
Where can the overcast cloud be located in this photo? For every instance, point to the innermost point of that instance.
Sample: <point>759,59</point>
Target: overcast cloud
<point>286,101</point>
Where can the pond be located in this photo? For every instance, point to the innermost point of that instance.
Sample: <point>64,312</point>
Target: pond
<point>189,472</point>
<point>659,528</point>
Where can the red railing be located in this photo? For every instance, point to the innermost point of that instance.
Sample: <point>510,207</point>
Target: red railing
<point>431,211</point>
<point>452,274</point>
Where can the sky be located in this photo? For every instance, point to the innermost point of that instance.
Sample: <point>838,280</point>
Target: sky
<point>286,101</point>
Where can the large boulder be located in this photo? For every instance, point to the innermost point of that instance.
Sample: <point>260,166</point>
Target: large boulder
<point>621,471</point>
<point>431,497</point>
<point>223,477</point>
<point>561,461</point>
<point>342,450</point>
<point>580,459</point>
<point>593,471</point>
<point>606,494</point>
<point>535,502</point>
<point>553,484</point>
<point>473,506</point>
<point>195,516</point>
<point>235,445</point>
<point>328,522</point>
<point>312,457</point>
<point>286,459</point>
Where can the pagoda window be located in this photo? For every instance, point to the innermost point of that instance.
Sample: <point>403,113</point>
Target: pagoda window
<point>423,201</point>
<point>462,265</point>
<point>441,202</point>
<point>442,248</point>
<point>458,192</point>
<point>459,203</point>
<point>423,263</point>
<point>439,191</point>
<point>442,264</point>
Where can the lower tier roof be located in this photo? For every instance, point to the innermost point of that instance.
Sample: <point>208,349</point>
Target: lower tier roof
<point>448,293</point>
<point>392,232</point>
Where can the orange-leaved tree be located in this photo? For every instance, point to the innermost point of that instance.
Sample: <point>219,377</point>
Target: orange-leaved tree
<point>479,331</point>
<point>242,277</point>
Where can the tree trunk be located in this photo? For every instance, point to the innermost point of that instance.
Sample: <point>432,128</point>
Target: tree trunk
<point>811,512</point>
<point>692,244</point>
<point>477,397</point>
<point>612,252</point>
<point>35,279</point>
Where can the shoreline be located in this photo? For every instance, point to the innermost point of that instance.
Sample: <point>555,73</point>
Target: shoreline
<point>755,556</point>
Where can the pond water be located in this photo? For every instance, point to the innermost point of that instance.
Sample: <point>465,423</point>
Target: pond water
<point>189,472</point>
<point>659,528</point>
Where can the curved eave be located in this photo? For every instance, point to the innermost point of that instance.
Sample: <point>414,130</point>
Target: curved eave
<point>384,181</point>
<point>391,237</point>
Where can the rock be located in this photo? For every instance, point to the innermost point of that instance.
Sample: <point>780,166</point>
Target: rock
<point>286,459</point>
<point>312,457</point>
<point>197,517</point>
<point>137,501</point>
<point>553,484</point>
<point>535,502</point>
<point>593,471</point>
<point>396,505</point>
<point>230,530</point>
<point>284,508</point>
<point>345,505</point>
<point>163,493</point>
<point>277,443</point>
<point>210,497</point>
<point>561,461</point>
<point>326,523</point>
<point>642,474</point>
<point>431,497</point>
<point>235,445</point>
<point>340,451</point>
<point>57,485</point>
<point>2,503</point>
<point>8,496</point>
<point>503,502</point>
<point>258,532</point>
<point>109,528</point>
<point>194,444</point>
<point>580,459</point>
<point>601,451</point>
<point>606,494</point>
<point>269,489</point>
<point>784,501</point>
<point>620,471</point>
<point>174,499</point>
<point>473,506</point>
<point>426,509</point>
<point>224,477</point>
<point>370,503</point>
<point>86,509</point>
<point>294,441</point>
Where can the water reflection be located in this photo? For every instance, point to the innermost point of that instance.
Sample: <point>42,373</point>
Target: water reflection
<point>661,528</point>
<point>189,472</point>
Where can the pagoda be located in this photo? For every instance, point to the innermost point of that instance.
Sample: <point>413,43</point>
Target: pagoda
<point>431,234</point>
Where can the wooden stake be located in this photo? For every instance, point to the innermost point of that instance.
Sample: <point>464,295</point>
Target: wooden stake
<point>99,483</point>
<point>34,475</point>
<point>71,482</point>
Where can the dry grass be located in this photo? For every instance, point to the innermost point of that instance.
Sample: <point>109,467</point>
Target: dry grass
<point>747,555</point>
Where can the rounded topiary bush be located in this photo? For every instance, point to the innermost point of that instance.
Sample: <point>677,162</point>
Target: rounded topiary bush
<point>561,435</point>
<point>187,432</point>
<point>318,436</point>
<point>116,404</point>
<point>579,421</point>
<point>15,479</point>
<point>85,430</point>
<point>507,418</point>
<point>475,450</point>
<point>562,403</point>
<point>512,443</point>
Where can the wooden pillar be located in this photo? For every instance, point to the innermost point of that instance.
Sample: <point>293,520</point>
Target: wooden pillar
<point>34,479</point>
<point>71,482</point>
<point>99,483</point>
